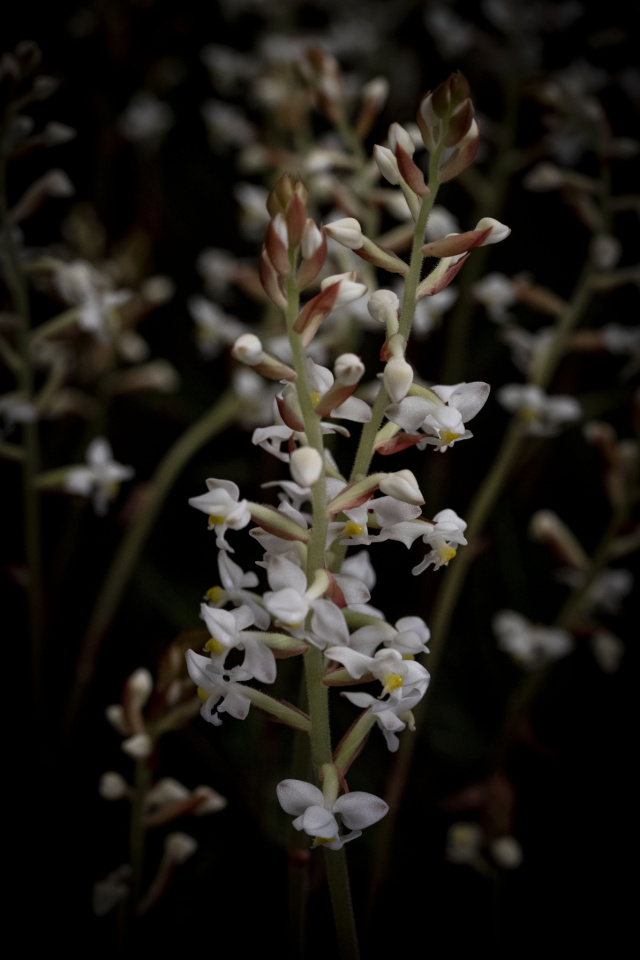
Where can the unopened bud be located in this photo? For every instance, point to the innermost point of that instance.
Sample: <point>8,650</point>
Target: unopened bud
<point>56,133</point>
<point>140,686</point>
<point>499,231</point>
<point>112,786</point>
<point>306,466</point>
<point>139,746</point>
<point>398,135</point>
<point>402,486</point>
<point>348,232</point>
<point>349,289</point>
<point>387,164</point>
<point>348,369</point>
<point>211,802</point>
<point>397,378</point>
<point>311,240</point>
<point>178,847</point>
<point>383,306</point>
<point>247,349</point>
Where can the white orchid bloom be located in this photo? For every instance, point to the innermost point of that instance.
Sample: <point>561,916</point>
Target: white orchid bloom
<point>539,414</point>
<point>317,816</point>
<point>409,637</point>
<point>442,418</point>
<point>100,479</point>
<point>234,583</point>
<point>392,716</point>
<point>447,529</point>
<point>400,678</point>
<point>216,684</point>
<point>224,508</point>
<point>228,630</point>
<point>531,645</point>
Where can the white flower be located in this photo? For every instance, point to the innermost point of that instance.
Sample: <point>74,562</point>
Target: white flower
<point>540,415</point>
<point>228,630</point>
<point>400,678</point>
<point>81,285</point>
<point>442,417</point>
<point>223,508</point>
<point>101,478</point>
<point>447,529</point>
<point>216,684</point>
<point>496,293</point>
<point>391,715</point>
<point>234,583</point>
<point>532,645</point>
<point>317,816</point>
<point>215,329</point>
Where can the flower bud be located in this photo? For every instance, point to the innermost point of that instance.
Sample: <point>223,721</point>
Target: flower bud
<point>179,846</point>
<point>499,231</point>
<point>403,486</point>
<point>139,746</point>
<point>348,232</point>
<point>397,378</point>
<point>112,786</point>
<point>306,466</point>
<point>247,349</point>
<point>387,164</point>
<point>398,135</point>
<point>348,369</point>
<point>383,306</point>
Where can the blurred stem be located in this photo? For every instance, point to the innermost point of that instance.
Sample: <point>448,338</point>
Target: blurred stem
<point>126,558</point>
<point>30,438</point>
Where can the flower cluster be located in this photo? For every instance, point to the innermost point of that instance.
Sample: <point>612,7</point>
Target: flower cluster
<point>314,601</point>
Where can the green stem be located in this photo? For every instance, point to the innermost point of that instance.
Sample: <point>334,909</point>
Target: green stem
<point>132,544</point>
<point>370,429</point>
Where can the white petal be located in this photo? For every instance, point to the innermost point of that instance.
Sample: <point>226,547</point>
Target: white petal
<point>360,809</point>
<point>294,796</point>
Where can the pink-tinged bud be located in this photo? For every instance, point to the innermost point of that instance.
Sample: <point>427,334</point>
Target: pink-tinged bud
<point>311,239</point>
<point>296,219</point>
<point>397,378</point>
<point>270,281</point>
<point>315,311</point>
<point>463,155</point>
<point>459,124</point>
<point>348,232</point>
<point>487,231</point>
<point>398,135</point>
<point>277,245</point>
<point>402,486</point>
<point>439,278</point>
<point>497,231</point>
<point>290,410</point>
<point>348,290</point>
<point>387,164</point>
<point>383,306</point>
<point>305,465</point>
<point>348,369</point>
<point>380,257</point>
<point>411,173</point>
<point>546,527</point>
<point>282,193</point>
<point>313,247</point>
<point>429,123</point>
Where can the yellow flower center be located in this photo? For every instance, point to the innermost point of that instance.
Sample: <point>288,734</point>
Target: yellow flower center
<point>214,646</point>
<point>320,841</point>
<point>446,554</point>
<point>315,397</point>
<point>391,682</point>
<point>203,694</point>
<point>528,414</point>
<point>447,436</point>
<point>352,529</point>
<point>214,594</point>
<point>216,518</point>
<point>408,656</point>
